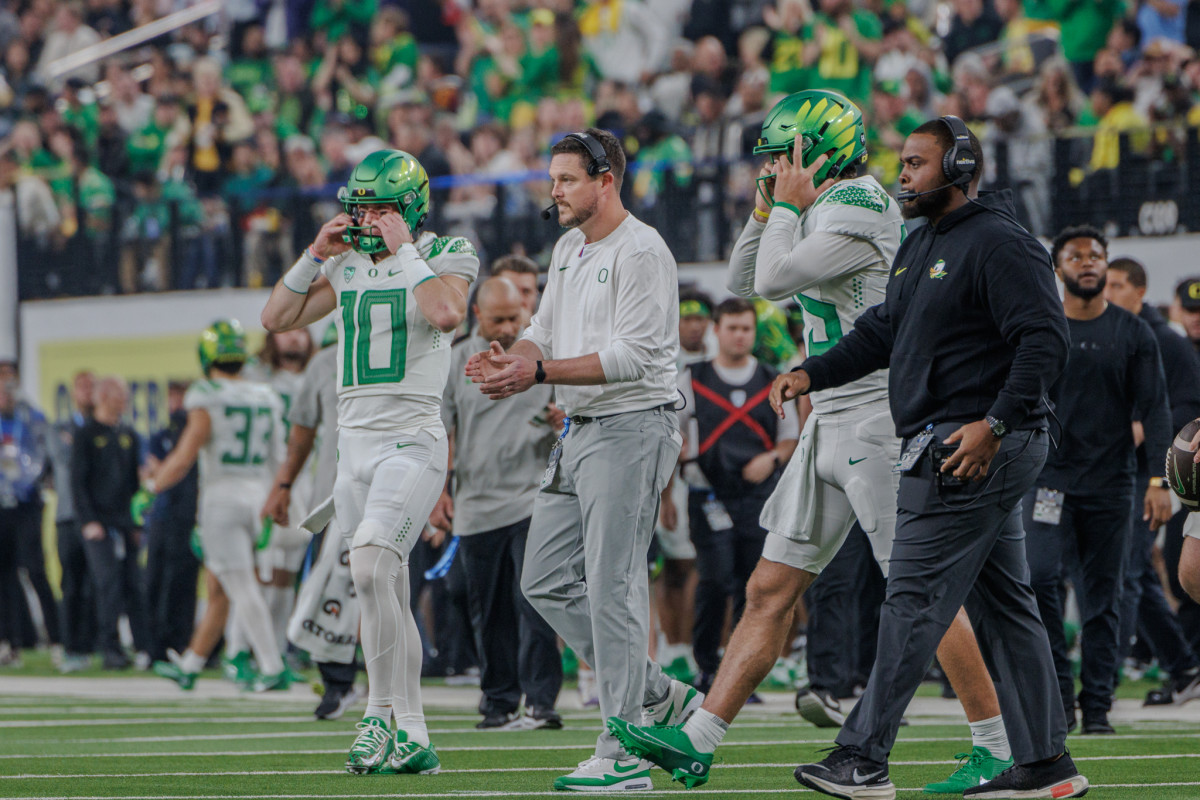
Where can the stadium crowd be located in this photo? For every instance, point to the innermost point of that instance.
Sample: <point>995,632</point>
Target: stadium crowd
<point>199,158</point>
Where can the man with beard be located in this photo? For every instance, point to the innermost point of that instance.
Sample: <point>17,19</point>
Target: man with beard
<point>971,331</point>
<point>498,456</point>
<point>607,333</point>
<point>1113,378</point>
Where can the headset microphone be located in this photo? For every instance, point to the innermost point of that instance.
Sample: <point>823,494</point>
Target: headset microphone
<point>906,195</point>
<point>548,210</point>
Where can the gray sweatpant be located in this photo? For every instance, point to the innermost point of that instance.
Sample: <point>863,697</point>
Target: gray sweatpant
<point>585,559</point>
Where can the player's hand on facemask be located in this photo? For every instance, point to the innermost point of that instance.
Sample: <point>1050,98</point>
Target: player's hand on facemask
<point>764,202</point>
<point>788,387</point>
<point>394,231</point>
<point>794,183</point>
<point>329,239</point>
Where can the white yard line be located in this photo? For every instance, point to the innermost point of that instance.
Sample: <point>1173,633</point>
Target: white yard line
<point>487,770</point>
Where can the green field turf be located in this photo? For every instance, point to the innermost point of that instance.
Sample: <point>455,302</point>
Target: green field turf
<point>253,746</point>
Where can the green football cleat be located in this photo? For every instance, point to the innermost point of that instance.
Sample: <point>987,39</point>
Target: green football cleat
<point>410,758</point>
<point>279,682</point>
<point>165,669</point>
<point>238,669</point>
<point>668,747</point>
<point>372,748</point>
<point>981,767</point>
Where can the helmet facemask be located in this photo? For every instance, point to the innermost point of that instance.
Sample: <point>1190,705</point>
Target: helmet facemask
<point>390,178</point>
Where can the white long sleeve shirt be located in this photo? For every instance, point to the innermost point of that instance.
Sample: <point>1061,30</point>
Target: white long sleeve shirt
<point>834,259</point>
<point>617,297</point>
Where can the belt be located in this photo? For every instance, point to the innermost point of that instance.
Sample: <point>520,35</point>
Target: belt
<point>579,419</point>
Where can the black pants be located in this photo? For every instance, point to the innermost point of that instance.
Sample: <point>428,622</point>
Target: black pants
<point>843,617</point>
<point>528,664</point>
<point>1097,527</point>
<point>113,565</point>
<point>724,562</point>
<point>964,548</point>
<point>32,559</point>
<point>12,600</point>
<point>171,574</point>
<point>1144,609</point>
<point>78,616</point>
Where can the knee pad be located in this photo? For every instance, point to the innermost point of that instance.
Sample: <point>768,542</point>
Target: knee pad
<point>863,502</point>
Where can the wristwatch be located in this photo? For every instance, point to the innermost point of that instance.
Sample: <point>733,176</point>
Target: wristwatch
<point>1158,483</point>
<point>998,427</point>
<point>540,375</point>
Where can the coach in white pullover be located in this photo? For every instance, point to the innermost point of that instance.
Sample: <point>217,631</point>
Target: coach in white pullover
<point>607,335</point>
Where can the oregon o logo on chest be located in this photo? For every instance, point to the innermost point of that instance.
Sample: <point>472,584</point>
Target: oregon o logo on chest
<point>603,275</point>
<point>372,273</point>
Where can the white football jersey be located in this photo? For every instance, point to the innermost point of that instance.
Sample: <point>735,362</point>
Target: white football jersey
<point>287,386</point>
<point>860,208</point>
<point>392,363</point>
<point>246,443</point>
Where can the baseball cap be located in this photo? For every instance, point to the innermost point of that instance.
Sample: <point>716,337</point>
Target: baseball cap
<point>1189,294</point>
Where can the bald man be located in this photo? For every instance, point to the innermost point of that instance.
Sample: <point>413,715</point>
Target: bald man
<point>498,456</point>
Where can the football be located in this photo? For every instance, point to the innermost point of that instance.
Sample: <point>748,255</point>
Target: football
<point>1183,474</point>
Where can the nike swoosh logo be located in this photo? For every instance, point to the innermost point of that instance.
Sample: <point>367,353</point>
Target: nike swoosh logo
<point>860,778</point>
<point>617,768</point>
<point>854,461</point>
<point>902,269</point>
<point>404,444</point>
<point>568,266</point>
<point>392,273</point>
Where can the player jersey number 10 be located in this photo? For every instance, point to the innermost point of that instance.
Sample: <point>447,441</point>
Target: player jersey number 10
<point>390,343</point>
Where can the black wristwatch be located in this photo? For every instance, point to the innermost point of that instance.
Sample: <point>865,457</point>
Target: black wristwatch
<point>998,427</point>
<point>540,375</point>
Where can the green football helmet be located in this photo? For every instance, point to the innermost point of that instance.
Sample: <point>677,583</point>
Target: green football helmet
<point>223,342</point>
<point>385,176</point>
<point>823,122</point>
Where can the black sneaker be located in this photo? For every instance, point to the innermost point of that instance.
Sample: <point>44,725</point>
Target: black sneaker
<point>116,660</point>
<point>845,772</point>
<point>820,708</point>
<point>1043,779</point>
<point>496,720</point>
<point>1095,723</point>
<point>1186,687</point>
<point>335,702</point>
<point>535,719</point>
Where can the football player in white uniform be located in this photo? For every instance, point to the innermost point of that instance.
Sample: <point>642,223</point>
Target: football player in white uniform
<point>828,237</point>
<point>399,297</point>
<point>235,429</point>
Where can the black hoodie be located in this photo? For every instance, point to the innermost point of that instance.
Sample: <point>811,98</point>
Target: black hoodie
<point>972,324</point>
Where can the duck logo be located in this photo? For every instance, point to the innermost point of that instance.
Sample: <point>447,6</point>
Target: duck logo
<point>938,270</point>
<point>348,274</point>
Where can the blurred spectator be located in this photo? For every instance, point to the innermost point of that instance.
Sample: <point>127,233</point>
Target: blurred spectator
<point>110,143</point>
<point>37,213</point>
<point>1125,39</point>
<point>393,50</point>
<point>148,255</point>
<point>336,19</point>
<point>133,106</point>
<point>1023,135</point>
<point>78,594</point>
<point>249,72</point>
<point>218,118</point>
<point>104,477</point>
<point>788,54</point>
<point>1018,57</point>
<point>662,155</point>
<point>1112,104</point>
<point>148,144</point>
<point>346,83</point>
<point>1057,96</point>
<point>1084,28</point>
<point>892,121</point>
<point>974,23</point>
<point>338,166</point>
<point>16,78</point>
<point>670,89</point>
<point>716,146</point>
<point>1162,19</point>
<point>76,106</point>
<point>848,41</point>
<point>709,60</point>
<point>625,38</point>
<point>68,35</point>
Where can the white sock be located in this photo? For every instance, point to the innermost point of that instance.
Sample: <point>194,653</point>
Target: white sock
<point>379,712</point>
<point>706,730</point>
<point>235,636</point>
<point>191,662</point>
<point>990,733</point>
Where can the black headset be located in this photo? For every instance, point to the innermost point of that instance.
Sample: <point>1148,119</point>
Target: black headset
<point>958,164</point>
<point>599,164</point>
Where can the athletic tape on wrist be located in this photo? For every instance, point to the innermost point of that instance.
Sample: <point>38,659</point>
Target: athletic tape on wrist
<point>415,267</point>
<point>302,273</point>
